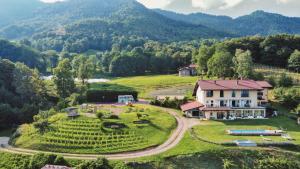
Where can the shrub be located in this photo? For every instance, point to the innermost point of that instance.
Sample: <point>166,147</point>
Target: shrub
<point>40,160</point>
<point>285,81</point>
<point>121,165</point>
<point>113,116</point>
<point>99,115</point>
<point>175,104</point>
<point>100,163</point>
<point>290,97</point>
<point>277,163</point>
<point>59,160</point>
<point>42,125</point>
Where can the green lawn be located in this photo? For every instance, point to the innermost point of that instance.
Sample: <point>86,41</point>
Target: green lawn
<point>215,131</point>
<point>146,84</point>
<point>91,135</point>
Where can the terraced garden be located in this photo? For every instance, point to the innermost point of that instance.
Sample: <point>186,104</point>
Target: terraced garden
<point>92,135</point>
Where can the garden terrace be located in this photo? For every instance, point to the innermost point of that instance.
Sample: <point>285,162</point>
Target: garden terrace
<point>90,135</point>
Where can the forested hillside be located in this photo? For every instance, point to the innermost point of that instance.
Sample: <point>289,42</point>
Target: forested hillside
<point>22,93</point>
<point>256,23</point>
<point>86,22</point>
<point>17,52</point>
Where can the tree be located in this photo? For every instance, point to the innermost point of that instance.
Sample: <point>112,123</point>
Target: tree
<point>294,61</point>
<point>63,79</point>
<point>204,54</point>
<point>100,163</point>
<point>243,64</point>
<point>220,64</point>
<point>285,81</point>
<point>40,160</point>
<point>86,70</point>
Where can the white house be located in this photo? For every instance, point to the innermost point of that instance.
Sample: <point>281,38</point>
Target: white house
<point>228,99</point>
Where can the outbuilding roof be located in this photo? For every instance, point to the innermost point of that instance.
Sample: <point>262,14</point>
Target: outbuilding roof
<point>191,106</point>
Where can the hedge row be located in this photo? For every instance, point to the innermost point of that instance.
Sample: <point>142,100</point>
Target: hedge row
<point>108,96</point>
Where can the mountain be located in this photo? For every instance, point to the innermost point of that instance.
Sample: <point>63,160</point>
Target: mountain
<point>15,10</point>
<point>81,20</point>
<point>258,22</point>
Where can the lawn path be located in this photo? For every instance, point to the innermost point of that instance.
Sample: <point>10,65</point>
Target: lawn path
<point>183,125</point>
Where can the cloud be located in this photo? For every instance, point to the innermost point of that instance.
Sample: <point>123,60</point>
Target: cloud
<point>51,1</point>
<point>155,3</point>
<point>215,4</point>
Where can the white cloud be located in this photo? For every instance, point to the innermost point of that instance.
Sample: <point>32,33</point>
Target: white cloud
<point>155,3</point>
<point>51,1</point>
<point>215,4</point>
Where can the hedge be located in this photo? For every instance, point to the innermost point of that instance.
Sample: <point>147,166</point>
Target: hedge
<point>108,96</point>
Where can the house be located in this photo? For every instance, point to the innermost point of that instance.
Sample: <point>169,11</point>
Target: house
<point>190,70</point>
<point>125,99</point>
<point>55,167</point>
<point>228,99</point>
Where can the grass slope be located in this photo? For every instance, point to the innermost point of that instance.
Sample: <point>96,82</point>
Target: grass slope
<point>146,84</point>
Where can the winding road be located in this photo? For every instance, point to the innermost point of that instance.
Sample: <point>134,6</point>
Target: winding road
<point>183,125</point>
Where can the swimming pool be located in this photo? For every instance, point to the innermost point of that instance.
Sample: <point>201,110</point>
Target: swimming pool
<point>255,132</point>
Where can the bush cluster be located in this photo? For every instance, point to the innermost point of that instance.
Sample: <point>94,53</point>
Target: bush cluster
<point>168,103</point>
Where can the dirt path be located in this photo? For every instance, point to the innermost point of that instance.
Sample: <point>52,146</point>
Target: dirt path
<point>183,125</point>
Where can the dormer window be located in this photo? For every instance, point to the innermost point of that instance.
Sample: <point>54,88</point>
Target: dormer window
<point>222,93</point>
<point>245,93</point>
<point>233,94</point>
<point>209,93</point>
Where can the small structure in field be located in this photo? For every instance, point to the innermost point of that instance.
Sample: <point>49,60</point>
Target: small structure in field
<point>190,70</point>
<point>72,112</point>
<point>125,99</point>
<point>55,167</point>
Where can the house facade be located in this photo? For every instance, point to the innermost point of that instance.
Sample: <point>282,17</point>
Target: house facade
<point>228,99</point>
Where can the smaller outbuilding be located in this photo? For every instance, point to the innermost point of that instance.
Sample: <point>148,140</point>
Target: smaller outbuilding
<point>126,99</point>
<point>190,70</point>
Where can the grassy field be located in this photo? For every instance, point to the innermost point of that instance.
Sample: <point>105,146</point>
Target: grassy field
<point>215,131</point>
<point>146,84</point>
<point>269,71</point>
<point>87,134</point>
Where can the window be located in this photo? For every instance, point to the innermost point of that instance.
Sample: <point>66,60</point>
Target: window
<point>233,103</point>
<point>233,94</point>
<point>210,93</point>
<point>223,103</point>
<point>245,93</point>
<point>211,103</point>
<point>222,93</point>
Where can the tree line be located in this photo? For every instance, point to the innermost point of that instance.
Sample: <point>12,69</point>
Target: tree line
<point>235,57</point>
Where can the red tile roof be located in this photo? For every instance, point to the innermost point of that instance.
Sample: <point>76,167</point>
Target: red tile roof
<point>191,105</point>
<point>230,85</point>
<point>264,84</point>
<point>215,109</point>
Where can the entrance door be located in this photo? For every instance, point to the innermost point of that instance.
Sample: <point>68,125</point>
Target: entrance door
<point>195,113</point>
<point>220,115</point>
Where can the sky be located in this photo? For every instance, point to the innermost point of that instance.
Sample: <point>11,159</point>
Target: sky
<point>232,8</point>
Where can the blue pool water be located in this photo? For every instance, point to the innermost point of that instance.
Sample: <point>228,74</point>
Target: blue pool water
<point>249,131</point>
<point>255,132</point>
